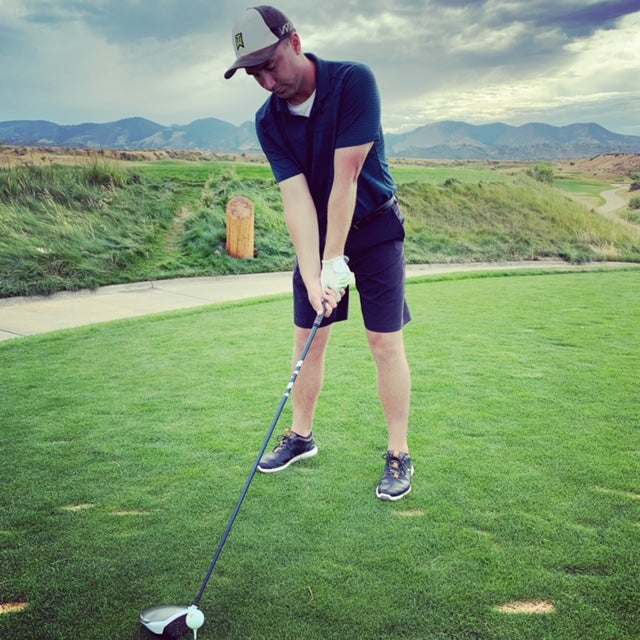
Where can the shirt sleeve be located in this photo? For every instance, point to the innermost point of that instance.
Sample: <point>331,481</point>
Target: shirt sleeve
<point>282,163</point>
<point>360,109</point>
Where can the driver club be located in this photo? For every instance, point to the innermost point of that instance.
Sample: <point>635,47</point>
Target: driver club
<point>172,621</point>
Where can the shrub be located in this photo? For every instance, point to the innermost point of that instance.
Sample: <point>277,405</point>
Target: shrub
<point>541,173</point>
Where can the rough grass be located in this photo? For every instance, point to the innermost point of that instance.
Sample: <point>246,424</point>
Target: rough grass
<point>514,220</point>
<point>66,227</point>
<point>71,227</point>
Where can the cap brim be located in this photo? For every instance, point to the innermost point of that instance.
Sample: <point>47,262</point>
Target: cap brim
<point>254,59</point>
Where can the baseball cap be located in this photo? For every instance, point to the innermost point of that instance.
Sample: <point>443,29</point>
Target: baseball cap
<point>256,34</point>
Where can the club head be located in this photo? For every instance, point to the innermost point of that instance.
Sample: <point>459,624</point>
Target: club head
<point>167,621</point>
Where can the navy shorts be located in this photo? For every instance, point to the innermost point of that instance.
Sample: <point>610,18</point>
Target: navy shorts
<point>376,257</point>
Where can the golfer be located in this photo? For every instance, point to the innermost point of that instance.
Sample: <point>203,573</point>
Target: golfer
<point>321,131</point>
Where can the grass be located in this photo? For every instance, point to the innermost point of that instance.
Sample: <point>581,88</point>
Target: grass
<point>436,174</point>
<point>68,227</point>
<point>125,447</point>
<point>71,227</point>
<point>588,190</point>
<point>517,220</point>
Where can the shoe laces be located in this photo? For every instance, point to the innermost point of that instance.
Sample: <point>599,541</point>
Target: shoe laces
<point>396,466</point>
<point>283,441</point>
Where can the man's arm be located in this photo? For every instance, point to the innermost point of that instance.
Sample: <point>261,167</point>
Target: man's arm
<point>302,223</point>
<point>348,163</point>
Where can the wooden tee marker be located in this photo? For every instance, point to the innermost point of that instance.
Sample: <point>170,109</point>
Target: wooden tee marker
<point>240,220</point>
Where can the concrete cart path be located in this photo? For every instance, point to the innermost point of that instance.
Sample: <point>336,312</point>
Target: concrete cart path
<point>41,314</point>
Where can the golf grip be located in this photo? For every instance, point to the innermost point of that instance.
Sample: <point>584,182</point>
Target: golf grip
<point>283,401</point>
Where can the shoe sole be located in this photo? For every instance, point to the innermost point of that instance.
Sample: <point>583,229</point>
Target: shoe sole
<point>387,497</point>
<point>302,456</point>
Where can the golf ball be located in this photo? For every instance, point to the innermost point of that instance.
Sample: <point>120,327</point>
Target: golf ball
<point>195,618</point>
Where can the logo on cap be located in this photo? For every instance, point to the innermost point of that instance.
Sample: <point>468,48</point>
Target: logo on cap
<point>239,42</point>
<point>286,28</point>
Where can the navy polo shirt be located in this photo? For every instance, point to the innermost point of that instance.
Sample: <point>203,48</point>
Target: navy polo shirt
<point>345,113</point>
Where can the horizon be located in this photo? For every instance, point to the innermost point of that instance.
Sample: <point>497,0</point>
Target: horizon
<point>418,126</point>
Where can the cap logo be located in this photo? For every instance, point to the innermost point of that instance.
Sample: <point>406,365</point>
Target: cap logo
<point>287,27</point>
<point>239,42</point>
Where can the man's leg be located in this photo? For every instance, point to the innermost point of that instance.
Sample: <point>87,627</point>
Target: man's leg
<point>394,385</point>
<point>309,383</point>
<point>297,443</point>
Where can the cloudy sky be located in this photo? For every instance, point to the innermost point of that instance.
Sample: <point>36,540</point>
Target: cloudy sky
<point>481,61</point>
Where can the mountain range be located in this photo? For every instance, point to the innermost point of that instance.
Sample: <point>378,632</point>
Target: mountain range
<point>446,139</point>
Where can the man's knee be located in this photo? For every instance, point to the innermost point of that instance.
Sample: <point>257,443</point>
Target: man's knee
<point>386,347</point>
<point>319,343</point>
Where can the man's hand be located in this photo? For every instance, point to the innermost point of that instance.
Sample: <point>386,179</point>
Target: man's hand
<point>335,274</point>
<point>324,300</point>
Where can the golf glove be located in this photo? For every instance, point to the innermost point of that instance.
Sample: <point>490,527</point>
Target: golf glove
<point>335,274</point>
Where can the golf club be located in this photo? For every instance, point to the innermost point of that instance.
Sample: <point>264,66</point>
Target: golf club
<point>172,621</point>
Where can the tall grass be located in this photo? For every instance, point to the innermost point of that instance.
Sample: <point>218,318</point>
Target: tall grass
<point>204,238</point>
<point>70,227</point>
<point>520,219</point>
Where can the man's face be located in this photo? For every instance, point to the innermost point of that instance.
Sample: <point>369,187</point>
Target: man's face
<point>279,74</point>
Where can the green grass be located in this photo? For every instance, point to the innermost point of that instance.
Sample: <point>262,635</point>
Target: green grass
<point>439,174</point>
<point>125,447</point>
<point>69,227</point>
<point>521,219</point>
<point>581,186</point>
<point>586,190</point>
<point>65,227</point>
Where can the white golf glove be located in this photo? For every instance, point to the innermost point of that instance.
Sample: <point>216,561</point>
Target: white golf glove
<point>335,274</point>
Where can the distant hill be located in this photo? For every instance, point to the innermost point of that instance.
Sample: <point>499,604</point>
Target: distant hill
<point>446,139</point>
<point>533,141</point>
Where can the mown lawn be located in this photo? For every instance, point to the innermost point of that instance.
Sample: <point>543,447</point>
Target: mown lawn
<point>125,447</point>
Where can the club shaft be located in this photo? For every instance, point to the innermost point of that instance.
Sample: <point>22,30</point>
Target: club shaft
<point>283,401</point>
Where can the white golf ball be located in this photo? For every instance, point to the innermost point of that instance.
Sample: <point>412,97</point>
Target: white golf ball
<point>195,618</point>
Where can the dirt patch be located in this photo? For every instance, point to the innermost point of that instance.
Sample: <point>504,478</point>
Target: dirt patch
<point>11,156</point>
<point>177,227</point>
<point>77,507</point>
<point>632,495</point>
<point>537,607</point>
<point>12,607</point>
<point>410,513</point>
<point>131,513</point>
<point>606,166</point>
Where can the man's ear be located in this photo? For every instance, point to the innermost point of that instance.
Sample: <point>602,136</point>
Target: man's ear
<point>296,43</point>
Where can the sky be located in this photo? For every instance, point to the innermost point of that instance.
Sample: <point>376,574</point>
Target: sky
<point>478,61</point>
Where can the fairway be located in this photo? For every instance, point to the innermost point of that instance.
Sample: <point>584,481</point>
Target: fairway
<point>125,447</point>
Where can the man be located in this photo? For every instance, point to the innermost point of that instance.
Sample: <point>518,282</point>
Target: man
<point>321,132</point>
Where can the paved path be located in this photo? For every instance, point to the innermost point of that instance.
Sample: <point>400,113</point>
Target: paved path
<point>612,199</point>
<point>41,314</point>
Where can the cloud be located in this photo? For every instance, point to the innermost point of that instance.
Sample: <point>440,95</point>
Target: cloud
<point>554,61</point>
<point>584,20</point>
<point>592,76</point>
<point>129,21</point>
